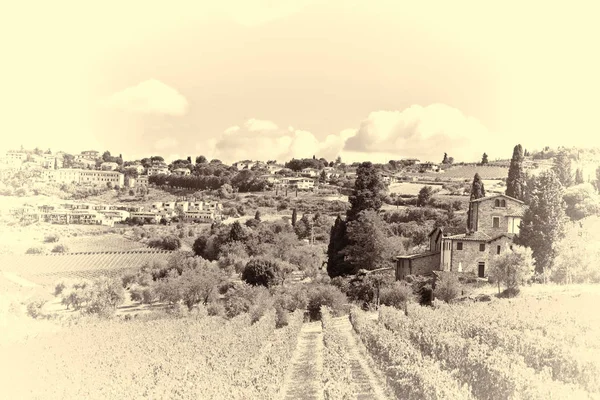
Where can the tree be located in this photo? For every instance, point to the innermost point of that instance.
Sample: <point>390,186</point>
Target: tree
<point>323,177</point>
<point>106,156</point>
<point>445,159</point>
<point>515,183</point>
<point>369,247</point>
<point>257,215</point>
<point>562,168</point>
<point>237,233</point>
<point>543,223</point>
<point>424,196</point>
<point>294,217</point>
<point>368,190</point>
<point>578,253</point>
<point>579,176</point>
<point>512,268</point>
<point>338,240</point>
<point>260,271</point>
<point>201,160</point>
<point>484,159</point>
<point>581,201</point>
<point>477,192</point>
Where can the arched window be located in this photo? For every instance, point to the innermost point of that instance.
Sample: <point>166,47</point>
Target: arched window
<point>503,203</point>
<point>497,203</point>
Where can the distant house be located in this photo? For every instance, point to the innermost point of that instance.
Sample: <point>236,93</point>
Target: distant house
<point>428,167</point>
<point>310,172</point>
<point>495,220</point>
<point>298,183</point>
<point>157,170</point>
<point>109,166</point>
<point>181,172</point>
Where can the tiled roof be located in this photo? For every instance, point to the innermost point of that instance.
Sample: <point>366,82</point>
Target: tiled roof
<point>412,256</point>
<point>498,195</point>
<point>475,236</point>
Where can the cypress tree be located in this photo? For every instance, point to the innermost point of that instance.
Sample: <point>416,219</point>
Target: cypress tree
<point>562,169</point>
<point>579,177</point>
<point>477,192</point>
<point>257,215</point>
<point>367,192</point>
<point>543,224</point>
<point>338,241</point>
<point>484,159</point>
<point>294,217</point>
<point>236,234</point>
<point>516,180</point>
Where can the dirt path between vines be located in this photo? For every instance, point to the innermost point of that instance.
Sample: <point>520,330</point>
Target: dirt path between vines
<point>370,383</point>
<point>304,375</point>
<point>303,378</point>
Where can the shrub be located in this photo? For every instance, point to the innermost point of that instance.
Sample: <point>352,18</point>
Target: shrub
<point>325,295</point>
<point>244,298</point>
<point>447,288</point>
<point>215,308</point>
<point>59,288</point>
<point>396,295</point>
<point>35,250</point>
<point>103,296</point>
<point>281,317</point>
<point>291,298</point>
<point>260,272</point>
<point>52,238</point>
<point>60,248</point>
<point>166,243</point>
<point>34,308</point>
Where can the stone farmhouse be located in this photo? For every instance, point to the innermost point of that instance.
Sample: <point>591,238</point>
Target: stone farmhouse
<point>495,220</point>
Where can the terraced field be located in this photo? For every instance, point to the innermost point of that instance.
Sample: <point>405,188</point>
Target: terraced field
<point>47,269</point>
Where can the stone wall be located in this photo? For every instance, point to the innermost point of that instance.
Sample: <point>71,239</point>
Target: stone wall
<point>486,211</point>
<point>470,256</point>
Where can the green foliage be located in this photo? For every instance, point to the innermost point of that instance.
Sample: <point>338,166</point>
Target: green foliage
<point>581,201</point>
<point>424,196</point>
<point>52,238</point>
<point>369,246</point>
<point>477,192</point>
<point>60,248</point>
<point>543,223</point>
<point>294,217</point>
<point>263,272</point>
<point>578,253</point>
<point>338,240</point>
<point>447,287</point>
<point>237,233</point>
<point>35,250</point>
<point>515,183</point>
<point>562,169</point>
<point>325,295</point>
<point>367,192</point>
<point>396,295</point>
<point>484,159</point>
<point>512,267</point>
<point>166,243</point>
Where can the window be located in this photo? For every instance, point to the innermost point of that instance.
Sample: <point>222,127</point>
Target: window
<point>481,269</point>
<point>502,203</point>
<point>481,246</point>
<point>498,249</point>
<point>496,222</point>
<point>497,203</point>
<point>459,246</point>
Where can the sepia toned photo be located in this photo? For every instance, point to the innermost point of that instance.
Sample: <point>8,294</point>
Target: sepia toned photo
<point>300,199</point>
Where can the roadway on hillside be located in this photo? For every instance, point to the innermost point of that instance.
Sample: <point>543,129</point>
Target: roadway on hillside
<point>304,376</point>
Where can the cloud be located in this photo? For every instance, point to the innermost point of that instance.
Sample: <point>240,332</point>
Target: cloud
<point>149,97</point>
<point>417,131</point>
<point>422,132</point>
<point>166,143</point>
<point>264,140</point>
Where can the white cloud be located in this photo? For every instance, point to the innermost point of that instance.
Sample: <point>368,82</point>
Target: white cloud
<point>263,140</point>
<point>423,132</point>
<point>256,125</point>
<point>165,143</point>
<point>149,97</point>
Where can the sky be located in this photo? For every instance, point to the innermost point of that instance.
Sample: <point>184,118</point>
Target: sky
<point>272,80</point>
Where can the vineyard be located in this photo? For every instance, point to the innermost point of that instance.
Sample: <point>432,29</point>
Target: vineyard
<point>48,269</point>
<point>527,348</point>
<point>178,358</point>
<point>107,242</point>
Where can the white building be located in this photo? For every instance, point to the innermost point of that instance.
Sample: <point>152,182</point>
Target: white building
<point>109,166</point>
<point>71,175</point>
<point>157,170</point>
<point>181,171</point>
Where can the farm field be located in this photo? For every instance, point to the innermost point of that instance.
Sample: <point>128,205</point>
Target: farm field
<point>179,358</point>
<point>468,171</point>
<point>538,347</point>
<point>48,269</point>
